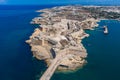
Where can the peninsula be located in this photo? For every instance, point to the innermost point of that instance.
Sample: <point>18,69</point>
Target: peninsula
<point>58,39</point>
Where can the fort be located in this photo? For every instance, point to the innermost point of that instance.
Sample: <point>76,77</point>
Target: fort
<point>58,39</point>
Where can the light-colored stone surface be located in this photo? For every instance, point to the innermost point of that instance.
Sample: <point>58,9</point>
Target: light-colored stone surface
<point>58,39</point>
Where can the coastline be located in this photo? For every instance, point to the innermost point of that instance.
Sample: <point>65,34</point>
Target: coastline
<point>37,32</point>
<point>58,39</point>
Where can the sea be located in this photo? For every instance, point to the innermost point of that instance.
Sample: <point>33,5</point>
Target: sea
<point>17,62</point>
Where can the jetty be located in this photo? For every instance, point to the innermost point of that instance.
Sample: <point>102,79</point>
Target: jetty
<point>105,30</point>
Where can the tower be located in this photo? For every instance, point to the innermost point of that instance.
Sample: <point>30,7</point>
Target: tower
<point>74,11</point>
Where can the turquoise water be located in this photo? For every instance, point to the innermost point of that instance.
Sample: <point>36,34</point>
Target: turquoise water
<point>17,63</point>
<point>103,55</point>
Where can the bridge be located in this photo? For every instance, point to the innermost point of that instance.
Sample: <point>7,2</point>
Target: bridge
<point>56,62</point>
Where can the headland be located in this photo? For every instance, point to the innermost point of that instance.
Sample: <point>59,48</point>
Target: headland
<point>58,39</point>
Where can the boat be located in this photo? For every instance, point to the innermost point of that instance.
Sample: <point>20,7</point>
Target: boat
<point>105,30</point>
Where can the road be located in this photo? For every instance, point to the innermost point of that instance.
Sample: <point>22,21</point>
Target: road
<point>57,60</point>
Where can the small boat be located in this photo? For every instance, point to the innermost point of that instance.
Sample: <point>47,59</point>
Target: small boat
<point>105,30</point>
